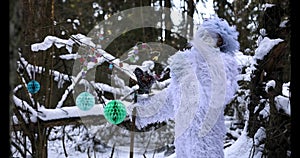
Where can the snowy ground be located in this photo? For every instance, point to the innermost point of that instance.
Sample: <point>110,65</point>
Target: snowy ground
<point>237,148</point>
<point>117,154</point>
<point>77,141</point>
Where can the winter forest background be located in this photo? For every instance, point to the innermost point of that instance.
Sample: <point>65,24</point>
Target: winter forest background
<point>47,37</point>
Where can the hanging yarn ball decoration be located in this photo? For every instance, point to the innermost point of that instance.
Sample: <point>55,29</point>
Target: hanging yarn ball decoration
<point>33,86</point>
<point>83,74</point>
<point>115,112</point>
<point>85,101</point>
<point>155,58</point>
<point>144,45</point>
<point>101,37</point>
<point>135,50</point>
<point>84,68</point>
<point>110,66</point>
<point>82,60</point>
<point>132,59</point>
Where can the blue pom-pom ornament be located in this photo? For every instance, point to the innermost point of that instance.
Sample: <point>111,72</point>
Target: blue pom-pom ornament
<point>33,86</point>
<point>85,101</point>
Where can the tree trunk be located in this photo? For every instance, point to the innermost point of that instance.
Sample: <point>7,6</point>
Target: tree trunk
<point>36,26</point>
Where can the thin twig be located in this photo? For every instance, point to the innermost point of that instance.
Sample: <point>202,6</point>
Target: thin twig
<point>148,144</point>
<point>112,151</point>
<point>63,142</point>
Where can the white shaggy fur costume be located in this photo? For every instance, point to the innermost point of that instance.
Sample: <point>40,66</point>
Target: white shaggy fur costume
<point>203,80</point>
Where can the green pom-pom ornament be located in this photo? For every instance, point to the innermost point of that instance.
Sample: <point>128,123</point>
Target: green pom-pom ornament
<point>115,112</point>
<point>85,101</point>
<point>33,86</point>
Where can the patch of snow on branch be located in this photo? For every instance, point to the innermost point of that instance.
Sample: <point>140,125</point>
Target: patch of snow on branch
<point>283,103</point>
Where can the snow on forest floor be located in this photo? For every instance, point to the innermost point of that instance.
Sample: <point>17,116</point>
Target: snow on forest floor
<point>56,149</point>
<point>53,153</point>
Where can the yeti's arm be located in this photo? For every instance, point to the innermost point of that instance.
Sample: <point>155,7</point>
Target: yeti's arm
<point>156,108</point>
<point>161,106</point>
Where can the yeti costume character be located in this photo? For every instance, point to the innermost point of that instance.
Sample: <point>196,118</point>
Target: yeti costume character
<point>203,81</point>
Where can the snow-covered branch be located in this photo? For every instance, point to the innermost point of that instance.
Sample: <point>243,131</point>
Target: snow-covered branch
<point>161,85</point>
<point>50,40</point>
<point>39,69</point>
<point>25,106</point>
<point>107,88</point>
<point>20,86</point>
<point>68,90</point>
